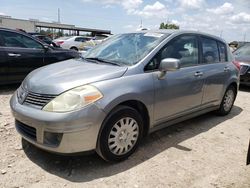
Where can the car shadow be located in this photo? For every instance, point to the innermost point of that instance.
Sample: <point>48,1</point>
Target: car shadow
<point>87,168</point>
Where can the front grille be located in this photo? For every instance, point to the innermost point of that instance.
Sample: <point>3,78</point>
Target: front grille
<point>26,130</point>
<point>243,69</point>
<point>38,100</point>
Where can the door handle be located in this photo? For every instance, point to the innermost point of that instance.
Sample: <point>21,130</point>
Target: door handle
<point>198,74</point>
<point>226,69</point>
<point>14,55</point>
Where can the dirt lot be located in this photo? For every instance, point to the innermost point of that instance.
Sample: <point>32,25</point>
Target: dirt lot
<point>207,151</point>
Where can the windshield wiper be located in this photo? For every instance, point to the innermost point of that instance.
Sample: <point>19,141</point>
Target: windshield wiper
<point>102,60</point>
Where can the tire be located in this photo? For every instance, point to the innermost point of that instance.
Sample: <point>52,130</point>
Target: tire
<point>227,101</point>
<point>74,48</point>
<point>121,134</point>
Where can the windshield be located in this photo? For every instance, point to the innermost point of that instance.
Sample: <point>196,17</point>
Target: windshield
<point>125,49</point>
<point>243,51</point>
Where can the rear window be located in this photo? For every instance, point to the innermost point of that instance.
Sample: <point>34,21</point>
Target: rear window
<point>210,52</point>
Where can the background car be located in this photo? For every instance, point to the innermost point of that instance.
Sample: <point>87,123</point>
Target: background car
<point>44,39</point>
<point>85,46</point>
<point>72,43</point>
<point>242,55</point>
<point>20,53</point>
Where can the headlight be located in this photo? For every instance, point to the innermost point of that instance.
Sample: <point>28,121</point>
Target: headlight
<point>74,99</point>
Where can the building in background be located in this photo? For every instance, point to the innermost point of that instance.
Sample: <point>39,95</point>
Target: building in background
<point>34,25</point>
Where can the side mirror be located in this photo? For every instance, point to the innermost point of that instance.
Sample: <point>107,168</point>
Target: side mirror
<point>46,48</point>
<point>169,64</point>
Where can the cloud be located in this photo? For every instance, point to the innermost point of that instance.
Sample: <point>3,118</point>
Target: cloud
<point>191,4</point>
<point>2,14</point>
<point>157,9</point>
<point>108,6</point>
<point>128,5</point>
<point>226,8</point>
<point>241,18</point>
<point>128,26</point>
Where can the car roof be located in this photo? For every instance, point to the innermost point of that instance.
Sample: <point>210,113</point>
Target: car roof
<point>179,32</point>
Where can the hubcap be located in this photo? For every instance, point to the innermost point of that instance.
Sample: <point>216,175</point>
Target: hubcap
<point>123,136</point>
<point>228,101</point>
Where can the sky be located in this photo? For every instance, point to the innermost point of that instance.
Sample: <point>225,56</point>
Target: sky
<point>229,19</point>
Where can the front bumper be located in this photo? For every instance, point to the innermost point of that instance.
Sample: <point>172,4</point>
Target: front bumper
<point>70,132</point>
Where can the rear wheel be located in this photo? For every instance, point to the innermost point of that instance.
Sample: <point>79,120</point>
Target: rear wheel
<point>121,134</point>
<point>227,101</point>
<point>74,48</point>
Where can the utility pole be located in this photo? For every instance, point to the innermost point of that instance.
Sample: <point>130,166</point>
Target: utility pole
<point>59,16</point>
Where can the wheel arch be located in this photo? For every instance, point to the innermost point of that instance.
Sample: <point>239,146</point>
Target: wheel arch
<point>135,104</point>
<point>73,47</point>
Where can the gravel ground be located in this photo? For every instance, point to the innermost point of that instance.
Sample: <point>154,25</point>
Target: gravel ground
<point>207,151</point>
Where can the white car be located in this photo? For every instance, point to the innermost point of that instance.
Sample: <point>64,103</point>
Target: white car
<point>73,43</point>
<point>85,46</point>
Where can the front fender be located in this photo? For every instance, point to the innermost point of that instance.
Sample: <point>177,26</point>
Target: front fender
<point>137,87</point>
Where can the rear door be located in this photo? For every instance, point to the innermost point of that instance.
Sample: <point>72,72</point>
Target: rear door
<point>24,54</point>
<point>216,69</point>
<point>179,92</point>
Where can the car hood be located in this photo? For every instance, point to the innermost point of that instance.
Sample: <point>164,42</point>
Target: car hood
<point>243,59</point>
<point>59,77</point>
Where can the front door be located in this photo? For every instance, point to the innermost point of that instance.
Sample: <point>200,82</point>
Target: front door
<point>180,91</point>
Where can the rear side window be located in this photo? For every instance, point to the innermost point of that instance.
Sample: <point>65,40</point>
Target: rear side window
<point>81,39</point>
<point>223,52</point>
<point>10,39</point>
<point>210,51</point>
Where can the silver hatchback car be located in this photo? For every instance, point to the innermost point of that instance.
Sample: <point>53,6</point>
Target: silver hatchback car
<point>130,85</point>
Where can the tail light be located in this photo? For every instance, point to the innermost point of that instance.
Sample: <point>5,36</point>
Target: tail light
<point>237,64</point>
<point>59,43</point>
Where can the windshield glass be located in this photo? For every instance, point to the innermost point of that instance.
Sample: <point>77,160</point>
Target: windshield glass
<point>244,50</point>
<point>126,49</point>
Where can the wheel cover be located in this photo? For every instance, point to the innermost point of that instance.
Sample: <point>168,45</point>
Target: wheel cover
<point>123,136</point>
<point>229,100</point>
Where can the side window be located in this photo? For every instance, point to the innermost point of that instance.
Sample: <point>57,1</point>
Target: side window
<point>29,43</point>
<point>223,52</point>
<point>210,52</point>
<point>80,39</point>
<point>9,39</point>
<point>184,48</point>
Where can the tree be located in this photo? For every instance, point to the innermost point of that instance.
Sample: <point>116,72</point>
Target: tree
<point>169,26</point>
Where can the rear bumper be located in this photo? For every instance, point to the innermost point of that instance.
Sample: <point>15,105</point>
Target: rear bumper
<point>64,133</point>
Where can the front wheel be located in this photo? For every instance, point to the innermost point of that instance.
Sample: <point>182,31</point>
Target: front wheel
<point>227,101</point>
<point>121,134</point>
